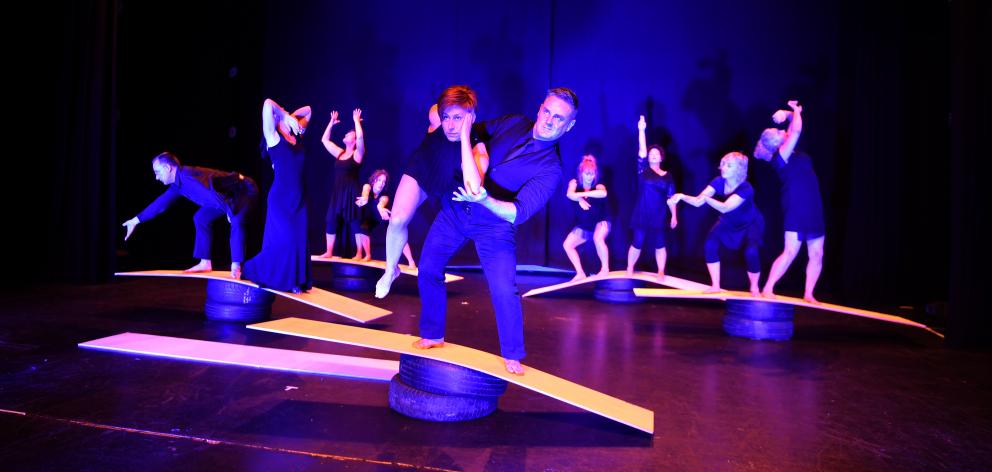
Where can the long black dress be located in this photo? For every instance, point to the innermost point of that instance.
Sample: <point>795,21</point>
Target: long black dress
<point>284,262</point>
<point>346,189</point>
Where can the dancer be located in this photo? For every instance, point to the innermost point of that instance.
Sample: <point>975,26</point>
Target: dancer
<point>524,170</point>
<point>655,187</point>
<point>801,202</point>
<point>740,222</point>
<point>341,210</point>
<point>368,218</point>
<point>284,262</point>
<point>590,217</point>
<point>442,162</point>
<point>218,194</point>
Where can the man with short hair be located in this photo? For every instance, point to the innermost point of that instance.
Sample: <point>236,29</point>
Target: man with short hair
<point>218,193</point>
<point>524,171</point>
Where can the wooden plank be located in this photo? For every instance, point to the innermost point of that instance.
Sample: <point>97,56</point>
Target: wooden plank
<point>649,277</point>
<point>533,379</point>
<point>381,265</point>
<point>735,295</point>
<point>317,298</point>
<point>247,356</point>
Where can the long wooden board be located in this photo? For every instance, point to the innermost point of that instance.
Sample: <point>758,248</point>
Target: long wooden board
<point>381,265</point>
<point>248,356</point>
<point>533,379</point>
<point>736,295</point>
<point>621,274</point>
<point>317,298</point>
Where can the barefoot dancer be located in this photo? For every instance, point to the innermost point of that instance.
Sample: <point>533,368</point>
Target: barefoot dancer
<point>342,210</point>
<point>218,194</point>
<point>371,215</point>
<point>443,161</point>
<point>655,187</point>
<point>524,170</point>
<point>801,202</point>
<point>740,221</point>
<point>590,217</point>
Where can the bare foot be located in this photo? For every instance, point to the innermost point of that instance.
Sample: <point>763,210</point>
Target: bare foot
<point>357,257</point>
<point>755,292</point>
<point>366,258</point>
<point>203,266</point>
<point>630,272</point>
<point>411,266</point>
<point>424,343</point>
<point>385,282</point>
<point>661,277</point>
<point>810,299</point>
<point>713,290</point>
<point>578,276</point>
<point>513,367</point>
<point>768,294</point>
<point>603,272</point>
<point>326,255</point>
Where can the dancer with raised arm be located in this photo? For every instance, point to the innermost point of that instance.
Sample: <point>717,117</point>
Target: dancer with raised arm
<point>591,219</point>
<point>655,187</point>
<point>284,262</point>
<point>218,193</point>
<point>371,215</point>
<point>341,211</point>
<point>443,161</point>
<point>801,203</point>
<point>740,223</point>
<point>524,171</point>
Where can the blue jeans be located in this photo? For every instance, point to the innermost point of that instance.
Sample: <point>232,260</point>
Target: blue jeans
<point>496,246</point>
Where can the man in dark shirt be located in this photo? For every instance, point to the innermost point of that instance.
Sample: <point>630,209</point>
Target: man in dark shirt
<point>218,193</point>
<point>524,171</point>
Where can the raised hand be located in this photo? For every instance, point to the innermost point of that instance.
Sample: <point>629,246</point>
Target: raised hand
<point>642,124</point>
<point>293,123</point>
<point>780,116</point>
<point>794,104</point>
<point>334,118</point>
<point>357,115</point>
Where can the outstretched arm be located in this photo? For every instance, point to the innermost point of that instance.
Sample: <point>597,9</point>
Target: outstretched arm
<point>696,201</point>
<point>359,136</point>
<point>642,142</point>
<point>729,205</point>
<point>792,134</point>
<point>362,200</point>
<point>326,138</point>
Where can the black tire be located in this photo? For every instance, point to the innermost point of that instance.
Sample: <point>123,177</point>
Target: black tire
<point>759,320</point>
<point>422,405</point>
<point>344,269</point>
<point>618,284</point>
<point>352,284</point>
<point>448,379</point>
<point>231,301</point>
<point>617,291</point>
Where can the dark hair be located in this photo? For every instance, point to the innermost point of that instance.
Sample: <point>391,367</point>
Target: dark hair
<point>460,95</point>
<point>375,175</point>
<point>167,158</point>
<point>642,162</point>
<point>567,95</point>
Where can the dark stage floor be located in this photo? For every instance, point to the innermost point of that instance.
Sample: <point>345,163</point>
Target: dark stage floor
<point>843,394</point>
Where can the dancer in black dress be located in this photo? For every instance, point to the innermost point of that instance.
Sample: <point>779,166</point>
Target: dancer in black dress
<point>371,215</point>
<point>801,202</point>
<point>654,188</point>
<point>341,210</point>
<point>284,262</point>
<point>740,223</point>
<point>591,220</point>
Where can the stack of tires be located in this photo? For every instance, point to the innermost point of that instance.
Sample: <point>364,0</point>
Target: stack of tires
<point>354,277</point>
<point>759,320</point>
<point>232,301</point>
<point>617,291</point>
<point>438,391</point>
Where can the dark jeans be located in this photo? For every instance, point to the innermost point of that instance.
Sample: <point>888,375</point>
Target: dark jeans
<point>497,248</point>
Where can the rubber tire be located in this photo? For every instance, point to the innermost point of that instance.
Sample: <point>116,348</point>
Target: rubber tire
<point>345,269</point>
<point>354,277</point>
<point>428,406</point>
<point>444,378</point>
<point>231,301</point>
<point>352,284</point>
<point>759,320</point>
<point>617,291</point>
